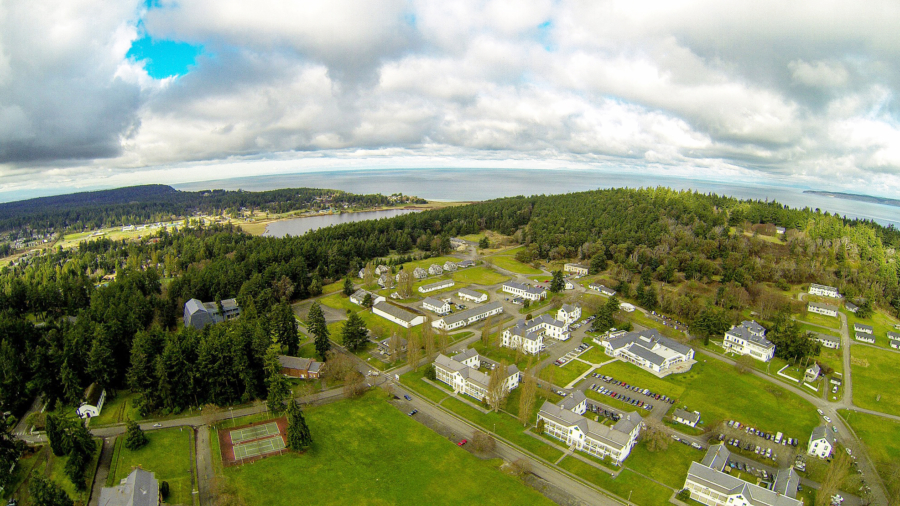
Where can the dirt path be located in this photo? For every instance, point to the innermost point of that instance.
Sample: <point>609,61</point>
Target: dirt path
<point>106,456</point>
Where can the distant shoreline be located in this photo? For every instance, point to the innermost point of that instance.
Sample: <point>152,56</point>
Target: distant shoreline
<point>857,197</point>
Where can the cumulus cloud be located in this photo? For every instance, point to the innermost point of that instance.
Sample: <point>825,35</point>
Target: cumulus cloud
<point>799,89</point>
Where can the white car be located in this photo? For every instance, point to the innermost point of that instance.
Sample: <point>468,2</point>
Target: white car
<point>826,418</point>
<point>821,413</point>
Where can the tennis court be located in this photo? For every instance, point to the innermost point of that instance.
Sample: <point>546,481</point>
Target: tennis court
<point>240,435</point>
<point>260,447</point>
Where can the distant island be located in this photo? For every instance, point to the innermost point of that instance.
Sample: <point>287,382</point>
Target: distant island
<point>856,196</point>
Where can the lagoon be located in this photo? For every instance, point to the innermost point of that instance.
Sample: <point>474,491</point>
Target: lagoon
<point>299,226</point>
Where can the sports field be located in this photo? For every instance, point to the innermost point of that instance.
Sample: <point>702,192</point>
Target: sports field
<point>259,447</point>
<point>238,436</point>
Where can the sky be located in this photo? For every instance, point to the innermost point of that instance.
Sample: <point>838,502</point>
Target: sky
<point>104,94</point>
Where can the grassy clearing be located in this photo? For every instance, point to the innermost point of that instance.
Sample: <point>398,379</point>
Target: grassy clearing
<point>669,466</point>
<point>880,436</point>
<point>497,353</point>
<point>413,381</point>
<point>875,386</point>
<point>418,468</point>
<point>626,484</point>
<point>821,320</point>
<point>595,355</point>
<point>562,376</point>
<point>339,301</point>
<point>168,454</point>
<point>812,328</point>
<point>512,265</point>
<point>47,465</point>
<point>479,276</point>
<point>117,410</point>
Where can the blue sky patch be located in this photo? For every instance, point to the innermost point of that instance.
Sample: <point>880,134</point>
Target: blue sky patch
<point>164,58</point>
<point>544,35</point>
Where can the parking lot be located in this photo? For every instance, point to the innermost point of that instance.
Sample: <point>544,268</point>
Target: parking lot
<point>643,401</point>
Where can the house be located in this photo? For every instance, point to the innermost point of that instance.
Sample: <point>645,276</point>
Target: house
<point>384,346</point>
<point>550,326</point>
<point>587,435</point>
<point>438,285</point>
<point>827,341</point>
<point>435,270</point>
<point>436,305</point>
<point>821,442</point>
<point>581,270</point>
<point>382,269</point>
<point>853,308</point>
<point>865,338</point>
<point>360,295</point>
<point>894,340</point>
<point>520,336</point>
<point>524,291</point>
<point>420,273</point>
<point>449,266</point>
<point>200,314</point>
<point>569,313</point>
<point>625,306</point>
<point>140,488</point>
<point>576,402</point>
<point>362,273</point>
<point>709,484</point>
<point>749,339</point>
<point>823,309</point>
<point>397,314</point>
<point>465,263</point>
<point>603,289</point>
<point>299,367</point>
<point>469,316</point>
<point>385,281</point>
<point>648,350</point>
<point>683,416</point>
<point>462,374</point>
<point>471,295</point>
<point>824,291</point>
<point>92,404</point>
<point>569,285</point>
<point>458,244</point>
<point>812,373</point>
<point>863,329</point>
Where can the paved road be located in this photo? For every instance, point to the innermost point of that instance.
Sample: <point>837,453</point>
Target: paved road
<point>106,455</point>
<point>205,471</point>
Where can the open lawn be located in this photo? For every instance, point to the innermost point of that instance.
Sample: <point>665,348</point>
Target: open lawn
<point>562,376</point>
<point>426,262</point>
<point>45,464</point>
<point>881,438</point>
<point>874,385</point>
<point>413,380</point>
<point>669,466</point>
<point>512,265</point>
<point>479,276</point>
<point>820,320</point>
<point>626,484</point>
<point>168,454</point>
<point>362,461</point>
<point>638,318</point>
<point>117,410</point>
<point>339,301</point>
<point>595,355</point>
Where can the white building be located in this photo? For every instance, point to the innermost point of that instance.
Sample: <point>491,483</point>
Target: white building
<point>461,373</point>
<point>465,263</point>
<point>569,313</point>
<point>603,289</point>
<point>471,295</point>
<point>709,484</point>
<point>581,270</point>
<point>748,338</point>
<point>382,269</point>
<point>827,341</point>
<point>865,338</point>
<point>647,349</point>
<point>524,291</point>
<point>469,316</point>
<point>438,285</point>
<point>385,281</point>
<point>812,373</point>
<point>823,309</point>
<point>438,306</point>
<point>92,404</point>
<point>420,273</point>
<point>589,436</point>
<point>399,315</point>
<point>360,295</point>
<point>824,291</point>
<point>894,340</point>
<point>821,442</point>
<point>576,402</point>
<point>449,266</point>
<point>863,329</point>
<point>690,418</point>
<point>530,340</point>
<point>435,270</point>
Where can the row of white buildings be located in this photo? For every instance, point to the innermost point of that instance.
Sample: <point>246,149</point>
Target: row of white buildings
<point>461,372</point>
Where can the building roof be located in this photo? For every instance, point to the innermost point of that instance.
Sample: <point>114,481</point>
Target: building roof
<point>465,354</point>
<point>386,343</point>
<point>614,436</point>
<point>742,332</point>
<point>819,305</point>
<point>893,336</point>
<point>851,306</point>
<point>862,336</point>
<point>468,313</point>
<point>716,457</point>
<point>753,326</point>
<point>289,362</point>
<point>92,394</point>
<point>465,263</point>
<point>396,311</point>
<point>730,485</point>
<point>687,415</point>
<point>229,304</point>
<point>470,293</point>
<point>826,337</point>
<point>193,306</point>
<point>648,344</point>
<point>431,301</point>
<point>570,307</point>
<point>864,327</point>
<point>526,288</point>
<point>822,287</point>
<point>570,402</point>
<point>437,284</point>
<point>140,488</point>
<point>822,432</point>
<point>814,368</point>
<point>786,481</point>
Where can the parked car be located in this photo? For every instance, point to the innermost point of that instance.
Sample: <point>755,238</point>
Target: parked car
<point>407,397</point>
<point>411,413</point>
<point>464,441</point>
<point>828,420</point>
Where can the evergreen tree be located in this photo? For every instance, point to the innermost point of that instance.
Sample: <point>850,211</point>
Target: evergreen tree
<point>46,493</point>
<point>348,286</point>
<point>318,328</point>
<point>354,332</point>
<point>134,436</point>
<point>598,263</point>
<point>298,434</point>
<point>10,450</point>
<point>101,360</point>
<point>83,446</point>
<point>865,309</point>
<point>278,387</point>
<point>558,283</point>
<point>367,301</point>
<point>57,434</point>
<point>285,329</point>
<point>484,243</point>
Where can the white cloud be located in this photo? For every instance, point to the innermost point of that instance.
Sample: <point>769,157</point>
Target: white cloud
<point>818,74</point>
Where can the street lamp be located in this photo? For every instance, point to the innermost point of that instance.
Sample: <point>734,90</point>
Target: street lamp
<point>232,415</point>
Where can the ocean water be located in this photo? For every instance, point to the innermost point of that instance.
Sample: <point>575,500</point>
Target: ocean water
<point>299,226</point>
<point>485,184</point>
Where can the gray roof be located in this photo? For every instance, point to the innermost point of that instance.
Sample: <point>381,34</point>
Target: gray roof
<point>753,326</point>
<point>819,305</point>
<point>386,343</point>
<point>614,436</point>
<point>289,362</point>
<point>744,333</point>
<point>465,354</point>
<point>826,337</point>
<point>229,304</point>
<point>468,313</point>
<point>465,263</point>
<point>396,311</point>
<point>470,293</point>
<point>433,302</point>
<point>194,305</point>
<point>822,287</point>
<point>687,415</point>
<point>851,306</point>
<point>716,457</point>
<point>786,481</point>
<point>572,401</point>
<point>730,485</point>
<point>526,288</point>
<point>437,284</point>
<point>864,327</point>
<point>640,343</point>
<point>862,336</point>
<point>893,335</point>
<point>140,488</point>
<point>570,307</point>
<point>822,432</point>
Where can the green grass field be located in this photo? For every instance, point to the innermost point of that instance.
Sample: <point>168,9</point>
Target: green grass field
<point>880,436</point>
<point>498,353</point>
<point>669,466</point>
<point>339,301</point>
<point>479,276</point>
<point>876,380</point>
<point>627,484</point>
<point>117,410</point>
<point>595,355</point>
<point>512,265</point>
<point>880,322</point>
<point>44,463</point>
<point>168,454</point>
<point>821,320</point>
<point>562,376</point>
<point>363,461</point>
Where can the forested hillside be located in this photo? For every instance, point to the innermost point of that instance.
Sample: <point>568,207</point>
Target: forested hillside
<point>128,334</point>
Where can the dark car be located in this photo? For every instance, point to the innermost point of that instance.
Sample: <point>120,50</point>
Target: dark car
<point>407,397</point>
<point>411,413</point>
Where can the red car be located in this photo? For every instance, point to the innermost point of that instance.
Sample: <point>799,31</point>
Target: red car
<point>464,441</point>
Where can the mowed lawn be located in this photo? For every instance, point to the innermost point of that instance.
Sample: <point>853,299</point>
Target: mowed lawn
<point>881,437</point>
<point>513,265</point>
<point>876,379</point>
<point>626,484</point>
<point>562,376</point>
<point>367,452</point>
<point>479,276</point>
<point>670,466</point>
<point>168,454</point>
